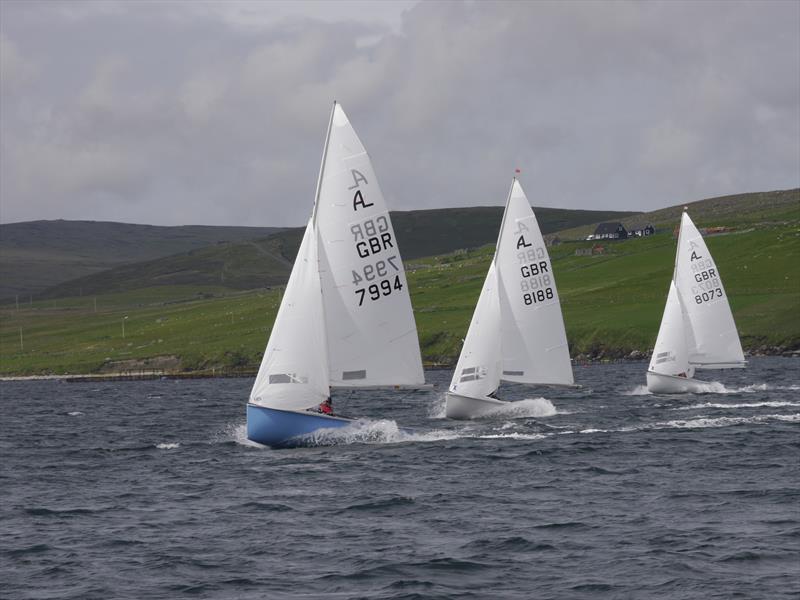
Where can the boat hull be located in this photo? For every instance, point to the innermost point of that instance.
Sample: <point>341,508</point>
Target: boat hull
<point>286,428</point>
<point>658,383</point>
<point>467,407</point>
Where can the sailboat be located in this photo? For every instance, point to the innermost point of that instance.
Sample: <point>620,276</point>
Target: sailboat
<point>517,330</point>
<point>345,319</point>
<point>697,330</point>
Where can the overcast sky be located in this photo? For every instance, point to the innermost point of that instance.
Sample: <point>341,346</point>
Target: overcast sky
<point>215,113</point>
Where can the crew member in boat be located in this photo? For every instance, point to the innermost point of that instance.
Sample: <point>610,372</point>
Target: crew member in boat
<point>326,407</point>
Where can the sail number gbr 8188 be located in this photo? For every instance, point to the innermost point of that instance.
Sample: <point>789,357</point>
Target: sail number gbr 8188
<point>536,281</point>
<point>378,275</point>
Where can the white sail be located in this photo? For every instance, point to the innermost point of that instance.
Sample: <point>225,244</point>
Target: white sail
<point>477,373</point>
<point>294,371</point>
<point>534,342</point>
<point>671,354</point>
<point>370,328</point>
<point>716,341</point>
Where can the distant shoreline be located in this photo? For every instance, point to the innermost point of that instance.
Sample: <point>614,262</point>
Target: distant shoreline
<point>151,375</point>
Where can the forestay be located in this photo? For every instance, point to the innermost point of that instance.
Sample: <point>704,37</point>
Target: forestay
<point>716,341</point>
<point>294,371</point>
<point>370,329</point>
<point>534,342</point>
<point>477,373</point>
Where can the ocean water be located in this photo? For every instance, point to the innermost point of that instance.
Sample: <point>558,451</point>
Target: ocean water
<point>150,490</point>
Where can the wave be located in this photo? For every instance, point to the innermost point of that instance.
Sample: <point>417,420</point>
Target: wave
<point>639,390</point>
<point>237,433</point>
<point>382,431</point>
<point>168,445</point>
<point>517,409</point>
<point>699,422</point>
<point>704,422</point>
<point>530,407</point>
<point>513,436</point>
<point>768,403</point>
<point>715,387</point>
<point>75,413</point>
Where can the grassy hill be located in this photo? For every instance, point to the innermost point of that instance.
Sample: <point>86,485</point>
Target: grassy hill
<point>35,255</point>
<point>737,210</point>
<point>267,262</point>
<point>612,304</point>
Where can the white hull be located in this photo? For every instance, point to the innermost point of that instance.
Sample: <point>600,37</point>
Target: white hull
<point>670,384</point>
<point>466,407</point>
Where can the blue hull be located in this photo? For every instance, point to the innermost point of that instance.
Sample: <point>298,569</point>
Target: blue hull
<point>285,428</point>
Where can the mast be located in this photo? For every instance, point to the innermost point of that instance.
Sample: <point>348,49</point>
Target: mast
<point>503,220</point>
<point>322,166</point>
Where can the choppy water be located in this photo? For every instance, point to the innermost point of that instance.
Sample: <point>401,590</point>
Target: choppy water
<point>149,490</point>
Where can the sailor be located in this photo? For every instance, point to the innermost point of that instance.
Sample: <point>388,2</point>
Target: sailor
<point>326,408</point>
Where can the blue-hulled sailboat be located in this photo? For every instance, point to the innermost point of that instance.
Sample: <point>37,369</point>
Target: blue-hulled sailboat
<point>346,317</point>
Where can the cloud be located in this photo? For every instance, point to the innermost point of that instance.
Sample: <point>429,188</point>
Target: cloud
<point>215,112</point>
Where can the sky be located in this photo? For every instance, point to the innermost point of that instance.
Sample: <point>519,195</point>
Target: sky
<point>172,113</point>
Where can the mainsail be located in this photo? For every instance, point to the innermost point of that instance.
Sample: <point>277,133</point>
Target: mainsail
<point>518,322</point>
<point>346,317</point>
<point>371,333</point>
<point>534,342</point>
<point>716,342</point>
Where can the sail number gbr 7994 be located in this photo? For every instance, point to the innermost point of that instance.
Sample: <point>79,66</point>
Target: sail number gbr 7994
<point>378,275</point>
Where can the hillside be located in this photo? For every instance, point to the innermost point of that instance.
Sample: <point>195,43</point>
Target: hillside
<point>729,211</point>
<point>612,305</point>
<point>267,262</point>
<point>35,255</point>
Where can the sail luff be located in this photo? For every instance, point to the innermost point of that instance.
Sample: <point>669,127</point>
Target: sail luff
<point>322,165</point>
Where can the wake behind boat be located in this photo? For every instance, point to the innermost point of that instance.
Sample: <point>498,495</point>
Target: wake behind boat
<point>517,330</point>
<point>345,319</point>
<point>697,330</point>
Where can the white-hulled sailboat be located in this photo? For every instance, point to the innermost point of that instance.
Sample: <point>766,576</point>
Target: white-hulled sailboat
<point>697,330</point>
<point>345,319</point>
<point>517,330</point>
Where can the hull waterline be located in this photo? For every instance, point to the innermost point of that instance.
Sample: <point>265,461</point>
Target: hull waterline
<point>670,384</point>
<point>286,428</point>
<point>467,407</point>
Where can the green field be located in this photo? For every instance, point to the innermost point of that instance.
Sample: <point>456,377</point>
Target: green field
<point>612,303</point>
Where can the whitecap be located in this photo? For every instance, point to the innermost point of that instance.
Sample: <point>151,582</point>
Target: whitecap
<point>167,445</point>
<point>382,431</point>
<point>639,390</point>
<point>513,436</point>
<point>706,421</point>
<point>530,407</point>
<point>768,403</point>
<point>75,413</point>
